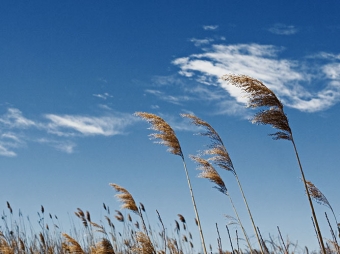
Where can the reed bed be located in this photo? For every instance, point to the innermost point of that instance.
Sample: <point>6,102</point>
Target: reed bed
<point>136,235</point>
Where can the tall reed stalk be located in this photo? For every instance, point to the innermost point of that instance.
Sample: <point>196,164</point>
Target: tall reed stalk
<point>209,172</point>
<point>167,137</point>
<point>261,96</point>
<point>221,158</point>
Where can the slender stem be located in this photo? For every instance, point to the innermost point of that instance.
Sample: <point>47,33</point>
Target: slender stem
<point>309,198</point>
<point>231,243</point>
<point>251,217</point>
<point>333,235</point>
<point>283,242</point>
<point>219,241</point>
<point>239,221</point>
<point>195,208</point>
<point>164,238</point>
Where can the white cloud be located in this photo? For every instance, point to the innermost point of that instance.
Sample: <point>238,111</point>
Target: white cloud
<point>14,119</point>
<point>17,131</point>
<point>325,55</point>
<point>200,42</point>
<point>103,96</point>
<point>289,79</point>
<point>64,146</point>
<point>178,100</point>
<point>70,125</point>
<point>4,151</point>
<point>282,29</point>
<point>210,27</point>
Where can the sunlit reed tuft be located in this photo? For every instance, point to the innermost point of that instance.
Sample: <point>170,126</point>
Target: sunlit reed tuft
<point>210,173</point>
<point>125,197</point>
<point>261,96</point>
<point>166,133</point>
<point>168,138</point>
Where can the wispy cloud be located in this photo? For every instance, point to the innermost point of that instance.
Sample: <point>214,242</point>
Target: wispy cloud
<point>289,79</point>
<point>64,146</point>
<point>211,27</point>
<point>14,119</point>
<point>103,96</point>
<point>70,125</point>
<point>9,141</point>
<point>282,29</point>
<point>178,100</point>
<point>5,151</point>
<point>325,55</point>
<point>17,131</point>
<point>200,42</point>
<point>167,80</point>
<point>11,122</point>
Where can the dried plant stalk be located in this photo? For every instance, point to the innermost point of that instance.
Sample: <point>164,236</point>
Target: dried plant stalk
<point>262,96</point>
<point>167,137</point>
<point>210,173</point>
<point>222,159</point>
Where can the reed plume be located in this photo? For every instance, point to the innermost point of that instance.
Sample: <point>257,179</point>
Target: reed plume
<point>210,173</point>
<point>71,245</point>
<point>167,137</point>
<point>221,158</point>
<point>273,114</point>
<point>126,198</point>
<point>319,197</point>
<point>144,245</point>
<point>103,247</point>
<point>166,134</point>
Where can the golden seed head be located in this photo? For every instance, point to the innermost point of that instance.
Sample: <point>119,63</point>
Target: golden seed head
<point>125,197</point>
<point>166,133</point>
<point>262,96</point>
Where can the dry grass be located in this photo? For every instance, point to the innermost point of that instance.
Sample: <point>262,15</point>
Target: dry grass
<point>136,237</point>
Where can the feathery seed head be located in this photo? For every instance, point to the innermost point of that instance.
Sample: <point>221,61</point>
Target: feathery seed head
<point>217,148</point>
<point>181,218</point>
<point>209,172</point>
<point>125,197</point>
<point>119,216</point>
<point>317,195</point>
<point>166,133</point>
<point>210,131</point>
<point>262,96</point>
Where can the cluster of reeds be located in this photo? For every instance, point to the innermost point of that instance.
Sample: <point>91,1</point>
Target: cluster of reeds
<point>134,236</point>
<point>137,235</point>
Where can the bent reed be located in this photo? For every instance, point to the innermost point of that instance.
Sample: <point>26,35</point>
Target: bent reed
<point>18,235</point>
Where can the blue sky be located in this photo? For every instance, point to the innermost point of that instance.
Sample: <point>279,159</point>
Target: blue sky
<point>72,73</point>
